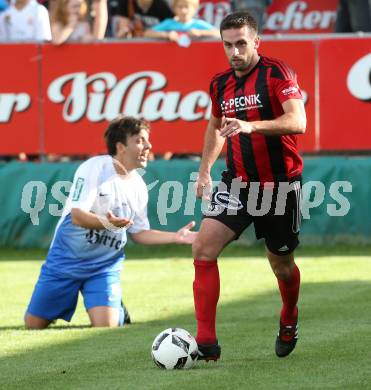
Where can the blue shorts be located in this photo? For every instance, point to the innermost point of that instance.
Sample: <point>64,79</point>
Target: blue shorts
<point>56,297</point>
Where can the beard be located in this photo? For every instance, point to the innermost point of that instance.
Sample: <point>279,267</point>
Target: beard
<point>239,64</point>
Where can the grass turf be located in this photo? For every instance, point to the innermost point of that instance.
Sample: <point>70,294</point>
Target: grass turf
<point>332,352</point>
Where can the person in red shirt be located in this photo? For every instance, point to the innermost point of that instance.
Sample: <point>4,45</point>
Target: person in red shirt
<point>257,108</point>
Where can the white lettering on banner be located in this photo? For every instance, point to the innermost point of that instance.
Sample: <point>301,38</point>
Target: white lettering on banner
<point>102,97</point>
<point>295,18</point>
<point>359,79</point>
<point>12,102</point>
<point>214,13</point>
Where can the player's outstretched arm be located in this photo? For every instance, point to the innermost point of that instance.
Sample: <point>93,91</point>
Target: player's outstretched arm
<point>90,220</point>
<point>156,237</point>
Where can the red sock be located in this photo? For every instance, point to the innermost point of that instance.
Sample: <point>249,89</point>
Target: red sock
<point>206,288</point>
<point>290,293</point>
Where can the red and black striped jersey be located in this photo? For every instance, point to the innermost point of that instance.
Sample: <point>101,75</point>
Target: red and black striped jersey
<point>256,96</point>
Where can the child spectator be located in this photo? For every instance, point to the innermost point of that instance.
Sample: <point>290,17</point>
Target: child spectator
<point>69,22</point>
<point>25,20</point>
<point>183,27</point>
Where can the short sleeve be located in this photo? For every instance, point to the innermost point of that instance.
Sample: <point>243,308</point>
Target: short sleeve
<point>215,106</point>
<point>84,188</point>
<point>140,220</point>
<point>287,89</point>
<point>284,82</point>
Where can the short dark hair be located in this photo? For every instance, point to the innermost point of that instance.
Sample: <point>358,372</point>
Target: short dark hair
<point>237,20</point>
<point>120,129</point>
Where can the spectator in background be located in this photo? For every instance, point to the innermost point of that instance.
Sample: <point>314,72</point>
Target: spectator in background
<point>68,22</point>
<point>99,11</point>
<point>214,11</point>
<point>353,16</point>
<point>25,20</point>
<point>183,27</point>
<point>3,5</point>
<point>255,7</point>
<point>97,15</point>
<point>131,17</point>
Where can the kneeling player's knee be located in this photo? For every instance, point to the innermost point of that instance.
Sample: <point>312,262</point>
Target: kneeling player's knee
<point>35,323</point>
<point>105,324</point>
<point>104,317</point>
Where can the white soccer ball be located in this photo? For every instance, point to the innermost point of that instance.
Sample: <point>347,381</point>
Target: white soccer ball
<point>174,348</point>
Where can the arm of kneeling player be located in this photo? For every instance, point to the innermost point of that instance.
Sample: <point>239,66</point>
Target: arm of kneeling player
<point>89,220</point>
<point>156,237</point>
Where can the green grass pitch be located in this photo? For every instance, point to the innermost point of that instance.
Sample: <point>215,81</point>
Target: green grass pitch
<point>333,351</point>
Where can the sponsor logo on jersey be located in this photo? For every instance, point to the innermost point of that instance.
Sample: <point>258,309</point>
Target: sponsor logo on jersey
<point>241,103</point>
<point>290,91</point>
<point>101,237</point>
<point>78,188</point>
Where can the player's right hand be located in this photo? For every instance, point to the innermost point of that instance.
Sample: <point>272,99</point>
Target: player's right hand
<point>203,186</point>
<point>117,221</point>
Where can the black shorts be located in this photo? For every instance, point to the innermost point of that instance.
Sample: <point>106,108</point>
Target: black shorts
<point>273,209</point>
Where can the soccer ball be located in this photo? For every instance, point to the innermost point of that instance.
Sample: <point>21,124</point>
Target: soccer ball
<point>174,348</point>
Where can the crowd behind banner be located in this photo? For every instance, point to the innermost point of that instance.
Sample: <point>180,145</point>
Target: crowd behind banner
<point>181,21</point>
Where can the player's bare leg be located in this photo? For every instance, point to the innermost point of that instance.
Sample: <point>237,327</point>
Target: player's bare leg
<point>288,276</point>
<point>34,322</point>
<point>104,316</point>
<point>212,238</point>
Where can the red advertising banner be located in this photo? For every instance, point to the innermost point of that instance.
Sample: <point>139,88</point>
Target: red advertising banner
<point>304,16</point>
<point>345,94</point>
<point>60,99</point>
<point>19,99</point>
<point>161,83</point>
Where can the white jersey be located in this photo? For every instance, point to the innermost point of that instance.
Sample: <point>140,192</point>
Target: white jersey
<point>97,188</point>
<point>31,23</point>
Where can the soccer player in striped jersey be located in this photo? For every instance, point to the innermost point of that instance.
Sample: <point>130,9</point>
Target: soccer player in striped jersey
<point>108,198</point>
<point>257,108</point>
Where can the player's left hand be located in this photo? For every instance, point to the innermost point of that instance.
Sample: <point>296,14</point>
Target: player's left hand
<point>232,126</point>
<point>185,235</point>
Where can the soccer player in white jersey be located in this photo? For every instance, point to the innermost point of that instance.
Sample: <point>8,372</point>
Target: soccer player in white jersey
<point>108,198</point>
